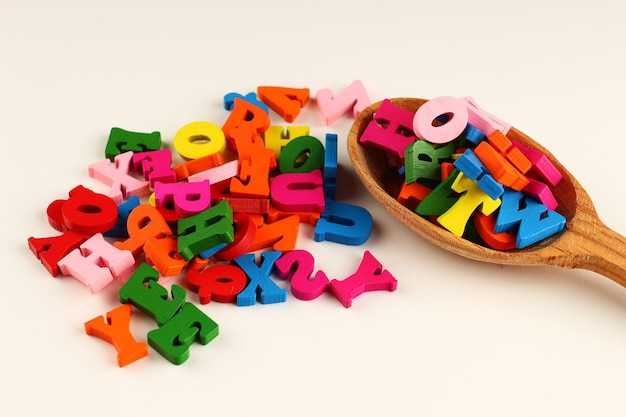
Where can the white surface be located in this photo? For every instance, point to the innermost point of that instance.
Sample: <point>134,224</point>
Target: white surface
<point>458,338</point>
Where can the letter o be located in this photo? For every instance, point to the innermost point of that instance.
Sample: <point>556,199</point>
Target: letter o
<point>424,121</point>
<point>198,139</point>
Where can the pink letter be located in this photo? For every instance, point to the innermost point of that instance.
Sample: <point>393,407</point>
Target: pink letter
<point>391,129</point>
<point>122,184</point>
<point>189,198</point>
<point>370,276</point>
<point>486,122</point>
<point>298,191</point>
<point>155,166</point>
<point>96,263</point>
<point>298,264</point>
<point>452,108</point>
<point>333,107</point>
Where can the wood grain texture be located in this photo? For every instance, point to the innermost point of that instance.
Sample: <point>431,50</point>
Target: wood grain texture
<point>585,242</point>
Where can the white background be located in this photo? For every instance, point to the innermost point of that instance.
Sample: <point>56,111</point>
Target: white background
<point>457,338</point>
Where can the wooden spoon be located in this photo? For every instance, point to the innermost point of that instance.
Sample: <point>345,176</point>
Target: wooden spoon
<point>584,243</point>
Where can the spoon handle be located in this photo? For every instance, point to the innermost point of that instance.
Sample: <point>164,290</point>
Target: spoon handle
<point>602,250</point>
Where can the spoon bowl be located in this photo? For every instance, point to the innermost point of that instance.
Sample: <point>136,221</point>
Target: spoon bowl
<point>585,242</point>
